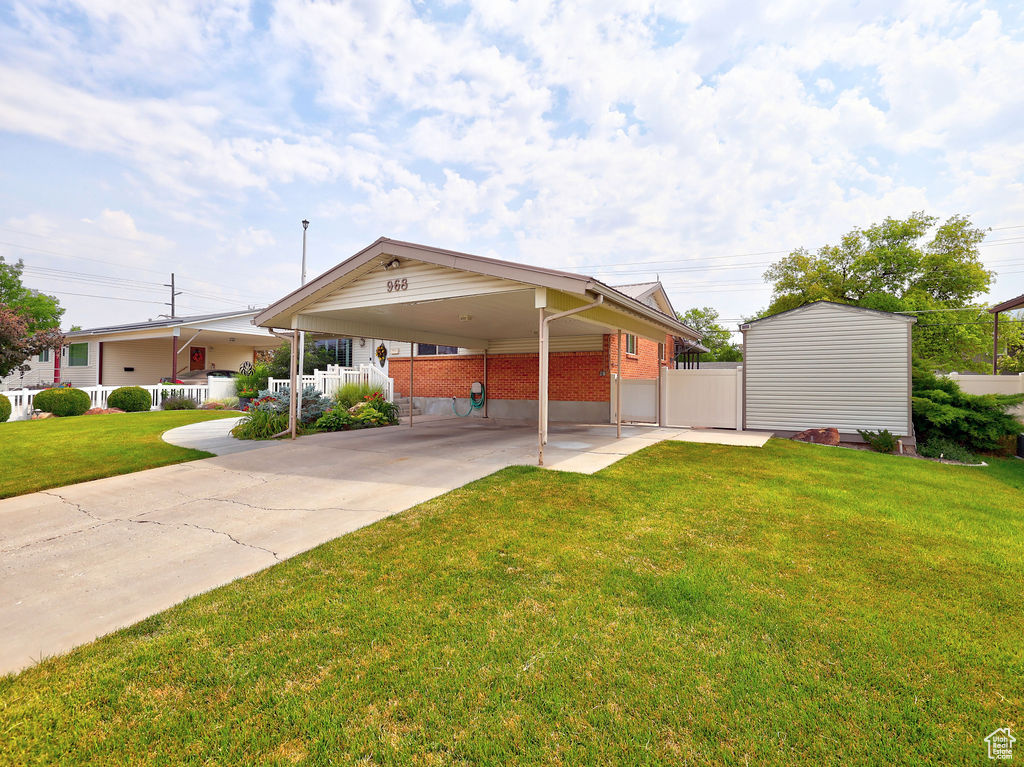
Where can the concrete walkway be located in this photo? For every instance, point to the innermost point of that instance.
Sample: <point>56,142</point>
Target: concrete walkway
<point>81,561</point>
<point>213,437</point>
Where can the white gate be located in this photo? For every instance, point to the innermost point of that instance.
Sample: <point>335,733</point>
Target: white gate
<point>709,398</point>
<point>639,400</point>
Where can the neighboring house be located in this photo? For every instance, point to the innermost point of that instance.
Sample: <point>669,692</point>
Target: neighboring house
<point>828,365</point>
<point>144,352</point>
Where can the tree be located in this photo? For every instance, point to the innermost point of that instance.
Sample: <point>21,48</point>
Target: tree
<point>40,311</point>
<point>316,358</point>
<point>17,344</point>
<point>29,320</point>
<point>713,335</point>
<point>890,267</point>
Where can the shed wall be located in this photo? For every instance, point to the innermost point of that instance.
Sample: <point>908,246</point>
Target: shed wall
<point>828,366</point>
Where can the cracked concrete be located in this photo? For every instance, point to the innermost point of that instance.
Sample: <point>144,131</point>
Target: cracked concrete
<point>81,561</point>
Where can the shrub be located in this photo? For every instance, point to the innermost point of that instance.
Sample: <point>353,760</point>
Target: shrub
<point>63,401</point>
<point>939,447</point>
<point>314,404</point>
<point>5,408</point>
<point>349,394</point>
<point>130,399</point>
<point>227,403</point>
<point>978,422</point>
<point>341,419</point>
<point>252,382</point>
<point>260,424</point>
<point>178,402</point>
<point>882,441</point>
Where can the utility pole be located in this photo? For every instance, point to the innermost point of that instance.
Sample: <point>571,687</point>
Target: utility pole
<point>302,334</point>
<point>173,294</point>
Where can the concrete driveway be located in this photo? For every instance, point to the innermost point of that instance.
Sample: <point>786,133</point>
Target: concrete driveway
<point>81,561</point>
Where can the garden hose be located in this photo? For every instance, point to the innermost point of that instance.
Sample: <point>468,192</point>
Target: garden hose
<point>474,403</point>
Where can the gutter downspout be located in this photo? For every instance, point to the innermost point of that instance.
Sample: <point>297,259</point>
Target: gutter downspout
<point>542,388</point>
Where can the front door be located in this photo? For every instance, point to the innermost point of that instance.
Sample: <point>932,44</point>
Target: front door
<point>197,358</point>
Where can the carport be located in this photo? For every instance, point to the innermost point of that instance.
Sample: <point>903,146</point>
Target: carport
<point>419,294</point>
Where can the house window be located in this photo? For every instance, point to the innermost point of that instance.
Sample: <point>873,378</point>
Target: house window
<point>44,355</point>
<point>78,355</point>
<point>630,344</point>
<point>340,349</point>
<point>428,349</point>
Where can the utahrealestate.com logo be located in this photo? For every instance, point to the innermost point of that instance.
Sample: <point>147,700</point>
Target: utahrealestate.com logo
<point>1000,743</point>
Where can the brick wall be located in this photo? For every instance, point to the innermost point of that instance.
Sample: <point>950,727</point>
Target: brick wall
<point>643,364</point>
<point>572,376</point>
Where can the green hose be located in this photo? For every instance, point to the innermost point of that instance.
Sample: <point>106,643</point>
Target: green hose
<point>474,403</point>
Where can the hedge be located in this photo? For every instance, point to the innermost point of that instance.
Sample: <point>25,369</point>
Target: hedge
<point>130,399</point>
<point>62,401</point>
<point>5,408</point>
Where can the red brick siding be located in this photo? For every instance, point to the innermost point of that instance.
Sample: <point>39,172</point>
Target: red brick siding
<point>572,376</point>
<point>643,364</point>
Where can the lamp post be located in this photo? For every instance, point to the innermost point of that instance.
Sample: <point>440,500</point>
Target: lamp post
<point>302,334</point>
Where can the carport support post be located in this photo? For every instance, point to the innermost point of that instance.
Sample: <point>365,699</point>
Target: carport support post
<point>542,386</point>
<point>995,345</point>
<point>294,401</point>
<point>412,354</point>
<point>618,388</point>
<point>487,394</point>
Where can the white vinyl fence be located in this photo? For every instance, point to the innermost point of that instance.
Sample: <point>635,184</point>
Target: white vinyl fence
<point>639,399</point>
<point>21,399</point>
<point>986,384</point>
<point>709,398</point>
<point>329,381</point>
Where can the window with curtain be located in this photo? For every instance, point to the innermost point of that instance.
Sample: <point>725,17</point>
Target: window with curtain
<point>630,344</point>
<point>78,355</point>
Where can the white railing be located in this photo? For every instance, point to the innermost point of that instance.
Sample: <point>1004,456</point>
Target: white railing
<point>22,399</point>
<point>329,381</point>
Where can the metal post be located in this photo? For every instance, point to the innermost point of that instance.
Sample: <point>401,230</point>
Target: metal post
<point>661,354</point>
<point>487,394</point>
<point>542,389</point>
<point>618,389</point>
<point>995,346</point>
<point>412,355</point>
<point>294,409</point>
<point>174,357</point>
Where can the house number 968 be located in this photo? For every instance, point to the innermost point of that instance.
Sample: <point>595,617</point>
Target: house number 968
<point>402,284</point>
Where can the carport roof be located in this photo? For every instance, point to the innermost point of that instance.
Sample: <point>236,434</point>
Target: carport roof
<point>280,313</point>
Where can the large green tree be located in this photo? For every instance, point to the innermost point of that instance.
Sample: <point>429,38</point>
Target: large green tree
<point>40,311</point>
<point>716,337</point>
<point>29,320</point>
<point>896,266</point>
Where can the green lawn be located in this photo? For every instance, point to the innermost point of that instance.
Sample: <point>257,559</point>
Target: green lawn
<point>691,604</point>
<point>35,455</point>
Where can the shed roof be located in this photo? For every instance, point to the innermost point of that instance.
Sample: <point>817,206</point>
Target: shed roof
<point>889,315</point>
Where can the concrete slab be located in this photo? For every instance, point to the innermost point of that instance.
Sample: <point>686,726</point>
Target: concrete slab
<point>80,561</point>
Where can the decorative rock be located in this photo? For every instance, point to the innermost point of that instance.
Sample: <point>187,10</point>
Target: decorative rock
<point>818,436</point>
<point>41,416</point>
<point>102,410</point>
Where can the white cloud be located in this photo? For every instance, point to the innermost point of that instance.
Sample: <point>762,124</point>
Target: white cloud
<point>571,132</point>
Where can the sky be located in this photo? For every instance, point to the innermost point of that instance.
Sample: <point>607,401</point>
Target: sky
<point>696,142</point>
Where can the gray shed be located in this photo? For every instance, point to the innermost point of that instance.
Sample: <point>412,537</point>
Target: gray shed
<point>828,365</point>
